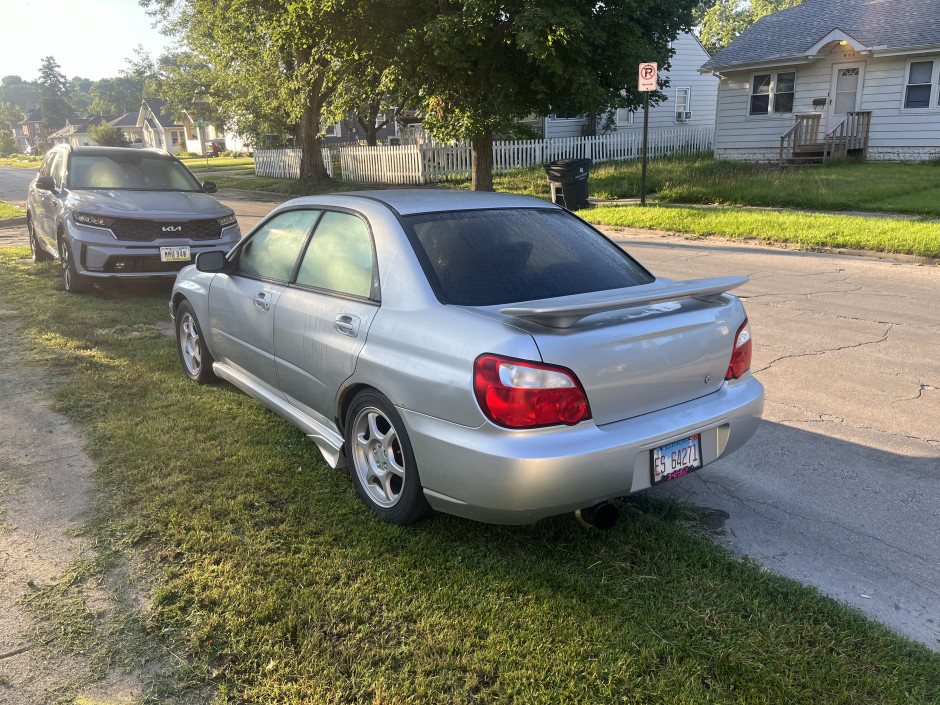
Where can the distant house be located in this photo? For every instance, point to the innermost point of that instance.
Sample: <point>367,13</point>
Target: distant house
<point>30,135</point>
<point>127,124</point>
<point>690,100</point>
<point>75,131</point>
<point>201,135</point>
<point>158,129</point>
<point>828,78</point>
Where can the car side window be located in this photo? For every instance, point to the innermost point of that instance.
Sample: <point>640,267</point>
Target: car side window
<point>58,170</point>
<point>339,257</point>
<point>46,168</point>
<point>273,249</point>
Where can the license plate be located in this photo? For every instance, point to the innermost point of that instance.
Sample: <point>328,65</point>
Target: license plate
<point>174,254</point>
<point>677,459</point>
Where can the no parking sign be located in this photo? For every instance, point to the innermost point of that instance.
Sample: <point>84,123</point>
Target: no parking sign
<point>648,76</point>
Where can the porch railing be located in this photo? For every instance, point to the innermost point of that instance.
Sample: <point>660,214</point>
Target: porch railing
<point>805,132</point>
<point>801,144</point>
<point>851,134</point>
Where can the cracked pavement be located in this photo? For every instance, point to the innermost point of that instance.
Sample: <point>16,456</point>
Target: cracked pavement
<point>840,487</point>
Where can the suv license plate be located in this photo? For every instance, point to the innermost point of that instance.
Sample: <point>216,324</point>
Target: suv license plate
<point>677,459</point>
<point>174,254</point>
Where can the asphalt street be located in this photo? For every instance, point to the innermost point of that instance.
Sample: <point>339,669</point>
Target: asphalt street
<point>14,182</point>
<point>840,487</point>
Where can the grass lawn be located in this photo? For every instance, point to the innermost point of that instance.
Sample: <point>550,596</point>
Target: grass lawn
<point>274,584</point>
<point>24,161</point>
<point>8,211</point>
<point>804,230</point>
<point>203,164</point>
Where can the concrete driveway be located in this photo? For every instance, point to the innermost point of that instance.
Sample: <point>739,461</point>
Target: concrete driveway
<point>840,487</point>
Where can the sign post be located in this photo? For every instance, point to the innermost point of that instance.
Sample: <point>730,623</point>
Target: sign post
<point>647,84</point>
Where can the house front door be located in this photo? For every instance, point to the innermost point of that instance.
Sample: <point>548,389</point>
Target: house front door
<point>845,93</point>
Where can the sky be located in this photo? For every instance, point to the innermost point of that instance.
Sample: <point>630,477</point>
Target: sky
<point>89,38</point>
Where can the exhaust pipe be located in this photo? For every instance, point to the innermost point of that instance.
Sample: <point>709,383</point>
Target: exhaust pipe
<point>601,516</point>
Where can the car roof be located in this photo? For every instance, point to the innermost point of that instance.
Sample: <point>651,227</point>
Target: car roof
<point>113,151</point>
<point>423,200</point>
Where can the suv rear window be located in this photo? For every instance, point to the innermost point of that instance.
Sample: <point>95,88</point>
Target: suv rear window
<point>143,172</point>
<point>494,257</point>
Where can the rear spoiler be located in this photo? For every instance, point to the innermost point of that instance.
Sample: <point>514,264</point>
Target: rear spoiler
<point>565,311</point>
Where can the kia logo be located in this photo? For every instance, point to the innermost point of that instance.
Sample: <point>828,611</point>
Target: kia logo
<point>172,228</point>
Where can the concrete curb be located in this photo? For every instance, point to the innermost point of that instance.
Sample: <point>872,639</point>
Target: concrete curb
<point>13,222</point>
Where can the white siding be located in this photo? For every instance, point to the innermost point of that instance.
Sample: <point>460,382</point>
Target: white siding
<point>896,134</point>
<point>683,73</point>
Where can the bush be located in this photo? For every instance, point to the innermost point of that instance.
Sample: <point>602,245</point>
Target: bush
<point>183,153</point>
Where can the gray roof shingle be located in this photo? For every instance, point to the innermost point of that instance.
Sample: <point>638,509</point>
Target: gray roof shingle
<point>788,34</point>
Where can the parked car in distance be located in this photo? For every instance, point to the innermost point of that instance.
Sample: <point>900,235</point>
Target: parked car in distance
<point>486,355</point>
<point>122,213</point>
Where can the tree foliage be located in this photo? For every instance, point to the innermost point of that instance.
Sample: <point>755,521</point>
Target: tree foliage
<point>54,96</point>
<point>116,96</point>
<point>480,65</point>
<point>273,66</point>
<point>106,136</point>
<point>23,94</point>
<point>726,19</point>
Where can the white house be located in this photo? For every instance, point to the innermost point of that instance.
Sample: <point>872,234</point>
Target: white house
<point>860,74</point>
<point>158,129</point>
<point>691,99</point>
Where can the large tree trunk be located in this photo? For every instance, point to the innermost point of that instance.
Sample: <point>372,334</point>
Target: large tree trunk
<point>483,162</point>
<point>311,156</point>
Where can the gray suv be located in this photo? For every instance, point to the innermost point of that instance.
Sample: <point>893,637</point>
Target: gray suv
<point>112,212</point>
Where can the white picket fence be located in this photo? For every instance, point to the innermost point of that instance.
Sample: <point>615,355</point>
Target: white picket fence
<point>285,163</point>
<point>425,163</point>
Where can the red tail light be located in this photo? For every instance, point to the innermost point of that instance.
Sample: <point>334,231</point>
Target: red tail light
<point>522,394</point>
<point>741,354</point>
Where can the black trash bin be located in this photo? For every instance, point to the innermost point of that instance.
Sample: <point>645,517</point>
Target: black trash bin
<point>568,180</point>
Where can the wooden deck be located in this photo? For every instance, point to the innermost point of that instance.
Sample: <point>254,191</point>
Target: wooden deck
<point>803,145</point>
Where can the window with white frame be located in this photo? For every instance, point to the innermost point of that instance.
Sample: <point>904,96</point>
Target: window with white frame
<point>565,115</point>
<point>683,104</point>
<point>625,116</point>
<point>772,93</point>
<point>920,82</point>
<point>334,130</point>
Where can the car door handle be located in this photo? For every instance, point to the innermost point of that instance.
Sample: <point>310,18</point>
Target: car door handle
<point>262,301</point>
<point>347,324</point>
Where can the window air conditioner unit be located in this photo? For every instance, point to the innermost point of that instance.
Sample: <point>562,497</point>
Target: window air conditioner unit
<point>683,116</point>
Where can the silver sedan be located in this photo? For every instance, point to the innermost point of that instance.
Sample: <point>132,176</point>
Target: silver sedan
<point>485,355</point>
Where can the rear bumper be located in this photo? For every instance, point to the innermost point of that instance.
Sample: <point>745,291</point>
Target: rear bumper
<point>499,476</point>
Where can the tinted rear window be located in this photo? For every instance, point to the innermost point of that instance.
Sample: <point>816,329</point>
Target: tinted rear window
<point>494,257</point>
<point>144,172</point>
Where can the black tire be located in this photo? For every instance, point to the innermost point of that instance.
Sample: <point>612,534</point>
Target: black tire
<point>74,282</point>
<point>381,460</point>
<point>36,250</point>
<point>193,351</point>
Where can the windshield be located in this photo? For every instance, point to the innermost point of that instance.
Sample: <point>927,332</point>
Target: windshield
<point>490,257</point>
<point>142,172</point>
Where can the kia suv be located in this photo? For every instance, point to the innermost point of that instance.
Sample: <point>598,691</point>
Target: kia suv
<point>122,213</point>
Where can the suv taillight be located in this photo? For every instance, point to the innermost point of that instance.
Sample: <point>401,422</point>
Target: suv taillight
<point>520,394</point>
<point>741,353</point>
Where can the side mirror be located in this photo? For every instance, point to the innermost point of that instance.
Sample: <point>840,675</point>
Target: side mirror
<point>213,263</point>
<point>209,187</point>
<point>45,183</point>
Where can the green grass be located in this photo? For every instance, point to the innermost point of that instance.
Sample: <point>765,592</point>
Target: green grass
<point>24,161</point>
<point>803,230</point>
<point>8,211</point>
<point>203,164</point>
<point>275,584</point>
